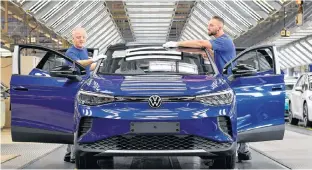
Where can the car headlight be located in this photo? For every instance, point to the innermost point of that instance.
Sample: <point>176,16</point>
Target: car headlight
<point>219,98</point>
<point>93,99</point>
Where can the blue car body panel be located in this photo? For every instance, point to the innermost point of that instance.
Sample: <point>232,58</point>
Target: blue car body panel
<point>47,104</point>
<point>260,101</point>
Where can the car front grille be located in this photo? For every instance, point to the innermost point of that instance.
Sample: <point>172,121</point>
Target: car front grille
<point>155,142</point>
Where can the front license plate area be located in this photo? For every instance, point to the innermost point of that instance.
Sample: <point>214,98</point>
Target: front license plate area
<point>155,127</point>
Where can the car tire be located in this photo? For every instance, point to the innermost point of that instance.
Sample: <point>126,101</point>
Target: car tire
<point>291,118</point>
<point>227,162</point>
<point>86,160</point>
<point>305,114</point>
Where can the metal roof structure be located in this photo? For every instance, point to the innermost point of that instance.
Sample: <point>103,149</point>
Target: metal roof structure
<point>63,16</point>
<point>150,21</point>
<point>240,16</point>
<point>295,50</point>
<point>109,22</point>
<point>147,20</point>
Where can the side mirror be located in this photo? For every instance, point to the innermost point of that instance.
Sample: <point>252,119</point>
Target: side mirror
<point>299,88</point>
<point>65,71</point>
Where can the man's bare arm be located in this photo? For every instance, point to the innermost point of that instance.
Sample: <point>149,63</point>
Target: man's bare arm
<point>85,62</point>
<point>195,44</point>
<point>92,66</point>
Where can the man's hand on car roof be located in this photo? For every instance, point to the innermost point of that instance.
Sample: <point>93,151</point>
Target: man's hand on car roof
<point>170,44</point>
<point>96,58</point>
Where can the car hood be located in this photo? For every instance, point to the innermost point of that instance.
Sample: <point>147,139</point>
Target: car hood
<point>147,85</point>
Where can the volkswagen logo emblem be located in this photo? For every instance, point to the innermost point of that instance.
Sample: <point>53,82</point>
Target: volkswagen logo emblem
<point>154,101</point>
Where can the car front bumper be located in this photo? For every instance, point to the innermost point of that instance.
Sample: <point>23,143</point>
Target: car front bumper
<point>187,131</point>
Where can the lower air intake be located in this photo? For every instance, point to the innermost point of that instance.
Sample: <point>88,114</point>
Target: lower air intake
<point>155,142</point>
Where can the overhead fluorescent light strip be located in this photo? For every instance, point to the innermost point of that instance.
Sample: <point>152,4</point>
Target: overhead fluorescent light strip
<point>288,51</point>
<point>78,16</point>
<point>149,28</point>
<point>194,26</point>
<point>86,19</point>
<point>99,30</point>
<point>205,20</point>
<point>107,30</point>
<point>110,40</point>
<point>35,8</point>
<point>150,24</point>
<point>260,4</point>
<point>307,53</point>
<point>282,60</point>
<point>103,16</point>
<point>199,23</point>
<point>228,20</point>
<point>299,54</point>
<point>150,10</point>
<point>150,3</point>
<point>248,10</point>
<point>67,14</point>
<point>286,59</point>
<point>151,15</point>
<point>234,13</point>
<point>150,32</point>
<point>151,20</point>
<point>104,43</point>
<point>290,59</point>
<point>191,30</point>
<point>102,32</point>
<point>306,45</point>
<point>54,10</point>
<point>148,35</point>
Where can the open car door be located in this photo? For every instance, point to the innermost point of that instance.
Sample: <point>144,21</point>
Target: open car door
<point>256,78</point>
<point>43,97</point>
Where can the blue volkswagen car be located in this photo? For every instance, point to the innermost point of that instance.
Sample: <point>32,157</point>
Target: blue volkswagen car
<point>147,100</point>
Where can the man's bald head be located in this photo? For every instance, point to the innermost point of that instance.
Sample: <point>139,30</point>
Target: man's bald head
<point>215,26</point>
<point>79,36</point>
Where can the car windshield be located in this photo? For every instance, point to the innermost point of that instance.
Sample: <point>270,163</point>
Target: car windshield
<point>156,60</point>
<point>289,86</point>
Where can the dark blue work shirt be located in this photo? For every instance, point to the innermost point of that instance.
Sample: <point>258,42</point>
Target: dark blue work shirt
<point>224,50</point>
<point>78,54</point>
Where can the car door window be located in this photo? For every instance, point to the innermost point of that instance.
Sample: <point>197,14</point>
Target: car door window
<point>29,59</point>
<point>45,60</point>
<point>249,59</point>
<point>305,84</point>
<point>265,59</point>
<point>53,61</point>
<point>261,60</point>
<point>300,81</point>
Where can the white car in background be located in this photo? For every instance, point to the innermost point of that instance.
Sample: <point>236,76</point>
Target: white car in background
<point>289,84</point>
<point>300,104</point>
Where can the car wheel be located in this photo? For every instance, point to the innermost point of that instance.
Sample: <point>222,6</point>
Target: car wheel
<point>86,160</point>
<point>227,162</point>
<point>306,121</point>
<point>292,120</point>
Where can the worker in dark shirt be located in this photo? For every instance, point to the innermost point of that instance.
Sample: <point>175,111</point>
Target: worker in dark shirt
<point>222,50</point>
